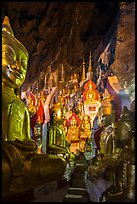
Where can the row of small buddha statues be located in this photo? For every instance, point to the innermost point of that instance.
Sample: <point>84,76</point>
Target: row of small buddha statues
<point>76,132</point>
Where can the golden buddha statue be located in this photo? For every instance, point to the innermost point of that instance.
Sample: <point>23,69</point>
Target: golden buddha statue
<point>85,132</point>
<point>90,95</point>
<point>75,89</point>
<point>75,78</point>
<point>73,131</point>
<point>58,111</point>
<point>85,127</point>
<point>79,110</point>
<point>73,134</point>
<point>68,91</point>
<point>71,79</point>
<point>22,167</point>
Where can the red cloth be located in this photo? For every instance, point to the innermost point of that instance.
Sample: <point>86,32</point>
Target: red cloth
<point>40,112</point>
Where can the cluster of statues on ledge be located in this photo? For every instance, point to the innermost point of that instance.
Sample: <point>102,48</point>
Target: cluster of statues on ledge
<point>78,116</point>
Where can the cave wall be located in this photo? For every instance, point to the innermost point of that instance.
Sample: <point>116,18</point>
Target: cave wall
<point>124,63</point>
<point>61,32</point>
<point>57,33</point>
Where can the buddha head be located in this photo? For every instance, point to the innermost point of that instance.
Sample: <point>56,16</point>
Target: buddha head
<point>71,77</point>
<point>90,87</point>
<point>75,76</point>
<point>75,88</point>
<point>86,118</point>
<point>14,58</point>
<point>73,122</point>
<point>106,120</point>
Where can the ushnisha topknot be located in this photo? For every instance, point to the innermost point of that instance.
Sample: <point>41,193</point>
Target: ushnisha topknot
<point>7,32</point>
<point>6,26</point>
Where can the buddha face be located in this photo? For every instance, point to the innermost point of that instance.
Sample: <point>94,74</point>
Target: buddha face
<point>75,76</point>
<point>14,62</point>
<point>90,86</point>
<point>75,88</point>
<point>85,118</point>
<point>71,77</point>
<point>73,122</point>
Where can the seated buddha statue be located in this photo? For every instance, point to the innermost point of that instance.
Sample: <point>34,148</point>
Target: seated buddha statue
<point>22,167</point>
<point>90,94</point>
<point>107,151</point>
<point>123,187</point>
<point>73,131</point>
<point>85,132</point>
<point>85,127</point>
<point>57,134</point>
<point>71,79</point>
<point>73,135</point>
<point>107,136</point>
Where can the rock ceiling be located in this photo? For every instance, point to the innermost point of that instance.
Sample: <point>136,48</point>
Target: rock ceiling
<point>56,33</point>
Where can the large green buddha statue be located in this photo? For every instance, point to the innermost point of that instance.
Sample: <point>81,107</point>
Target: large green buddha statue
<point>22,167</point>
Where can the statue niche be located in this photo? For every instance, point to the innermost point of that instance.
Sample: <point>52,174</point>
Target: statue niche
<point>22,167</point>
<point>90,93</point>
<point>91,100</point>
